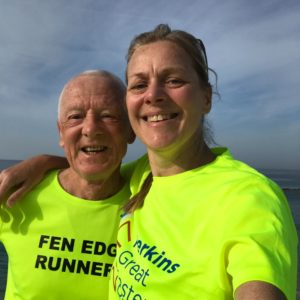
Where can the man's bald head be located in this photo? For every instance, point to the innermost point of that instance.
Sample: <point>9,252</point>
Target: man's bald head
<point>112,80</point>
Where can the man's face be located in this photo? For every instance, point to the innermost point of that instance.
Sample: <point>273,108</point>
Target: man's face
<point>93,126</point>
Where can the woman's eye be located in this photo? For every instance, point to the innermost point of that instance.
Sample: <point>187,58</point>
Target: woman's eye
<point>138,86</point>
<point>175,82</point>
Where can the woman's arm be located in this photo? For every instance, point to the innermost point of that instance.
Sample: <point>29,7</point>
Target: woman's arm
<point>258,290</point>
<point>17,180</point>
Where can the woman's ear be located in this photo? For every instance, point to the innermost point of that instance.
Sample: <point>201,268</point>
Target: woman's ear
<point>207,94</point>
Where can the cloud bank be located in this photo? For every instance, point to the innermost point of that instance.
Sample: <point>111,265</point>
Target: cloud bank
<point>253,47</point>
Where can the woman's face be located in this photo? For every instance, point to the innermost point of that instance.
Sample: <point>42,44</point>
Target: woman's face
<point>165,99</point>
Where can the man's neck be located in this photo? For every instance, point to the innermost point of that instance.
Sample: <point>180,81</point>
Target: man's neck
<point>80,187</point>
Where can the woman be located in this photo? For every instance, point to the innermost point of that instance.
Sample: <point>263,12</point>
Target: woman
<point>200,225</point>
<point>210,227</point>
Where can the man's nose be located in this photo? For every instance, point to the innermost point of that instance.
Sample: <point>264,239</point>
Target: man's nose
<point>92,126</point>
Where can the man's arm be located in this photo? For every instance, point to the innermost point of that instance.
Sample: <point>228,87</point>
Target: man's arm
<point>258,290</point>
<point>17,180</point>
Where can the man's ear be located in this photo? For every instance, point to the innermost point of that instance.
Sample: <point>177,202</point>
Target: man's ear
<point>61,141</point>
<point>131,137</point>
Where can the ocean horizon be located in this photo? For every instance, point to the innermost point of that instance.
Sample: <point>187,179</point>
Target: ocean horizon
<point>288,180</point>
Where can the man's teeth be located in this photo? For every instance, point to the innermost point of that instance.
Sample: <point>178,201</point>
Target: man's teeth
<point>94,149</point>
<point>157,118</point>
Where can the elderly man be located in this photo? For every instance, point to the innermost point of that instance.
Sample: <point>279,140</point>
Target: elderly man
<point>60,239</point>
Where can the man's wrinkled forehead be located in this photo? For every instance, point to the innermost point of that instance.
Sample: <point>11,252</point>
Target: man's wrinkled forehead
<point>92,85</point>
<point>87,84</point>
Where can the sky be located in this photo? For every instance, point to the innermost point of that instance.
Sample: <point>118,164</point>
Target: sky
<point>254,46</point>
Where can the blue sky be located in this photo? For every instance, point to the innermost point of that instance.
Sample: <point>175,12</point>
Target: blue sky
<point>254,46</point>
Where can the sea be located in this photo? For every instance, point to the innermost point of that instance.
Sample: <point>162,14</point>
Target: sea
<point>288,180</point>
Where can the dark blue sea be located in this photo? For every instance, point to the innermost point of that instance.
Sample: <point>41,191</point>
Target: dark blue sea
<point>288,180</point>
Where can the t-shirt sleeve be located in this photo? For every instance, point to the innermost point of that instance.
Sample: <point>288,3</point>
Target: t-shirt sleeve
<point>261,239</point>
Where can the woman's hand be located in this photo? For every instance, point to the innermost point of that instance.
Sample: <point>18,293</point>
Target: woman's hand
<point>18,179</point>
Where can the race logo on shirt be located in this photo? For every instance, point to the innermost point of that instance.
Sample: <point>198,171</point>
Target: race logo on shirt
<point>135,268</point>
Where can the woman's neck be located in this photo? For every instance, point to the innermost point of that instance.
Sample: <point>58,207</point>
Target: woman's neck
<point>166,163</point>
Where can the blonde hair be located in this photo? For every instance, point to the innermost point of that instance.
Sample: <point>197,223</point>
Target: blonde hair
<point>194,47</point>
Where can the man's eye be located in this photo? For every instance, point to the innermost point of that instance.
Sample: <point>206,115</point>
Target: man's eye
<point>107,116</point>
<point>74,117</point>
<point>110,118</point>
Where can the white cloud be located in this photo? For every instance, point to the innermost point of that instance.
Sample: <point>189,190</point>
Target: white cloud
<point>254,47</point>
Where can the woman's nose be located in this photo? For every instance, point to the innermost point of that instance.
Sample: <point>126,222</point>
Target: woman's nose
<point>155,93</point>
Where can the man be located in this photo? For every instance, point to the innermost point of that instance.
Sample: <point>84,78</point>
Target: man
<point>60,239</point>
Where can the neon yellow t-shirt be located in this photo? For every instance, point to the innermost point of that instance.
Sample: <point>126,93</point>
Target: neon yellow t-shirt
<point>60,246</point>
<point>203,233</point>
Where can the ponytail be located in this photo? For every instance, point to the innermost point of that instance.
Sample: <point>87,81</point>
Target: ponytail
<point>138,199</point>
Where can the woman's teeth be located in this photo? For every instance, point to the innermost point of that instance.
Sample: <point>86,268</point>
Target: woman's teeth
<point>161,117</point>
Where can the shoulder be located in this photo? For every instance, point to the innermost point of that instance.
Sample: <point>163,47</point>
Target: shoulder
<point>128,168</point>
<point>240,189</point>
<point>141,171</point>
<point>136,172</point>
<point>237,173</point>
<point>48,185</point>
